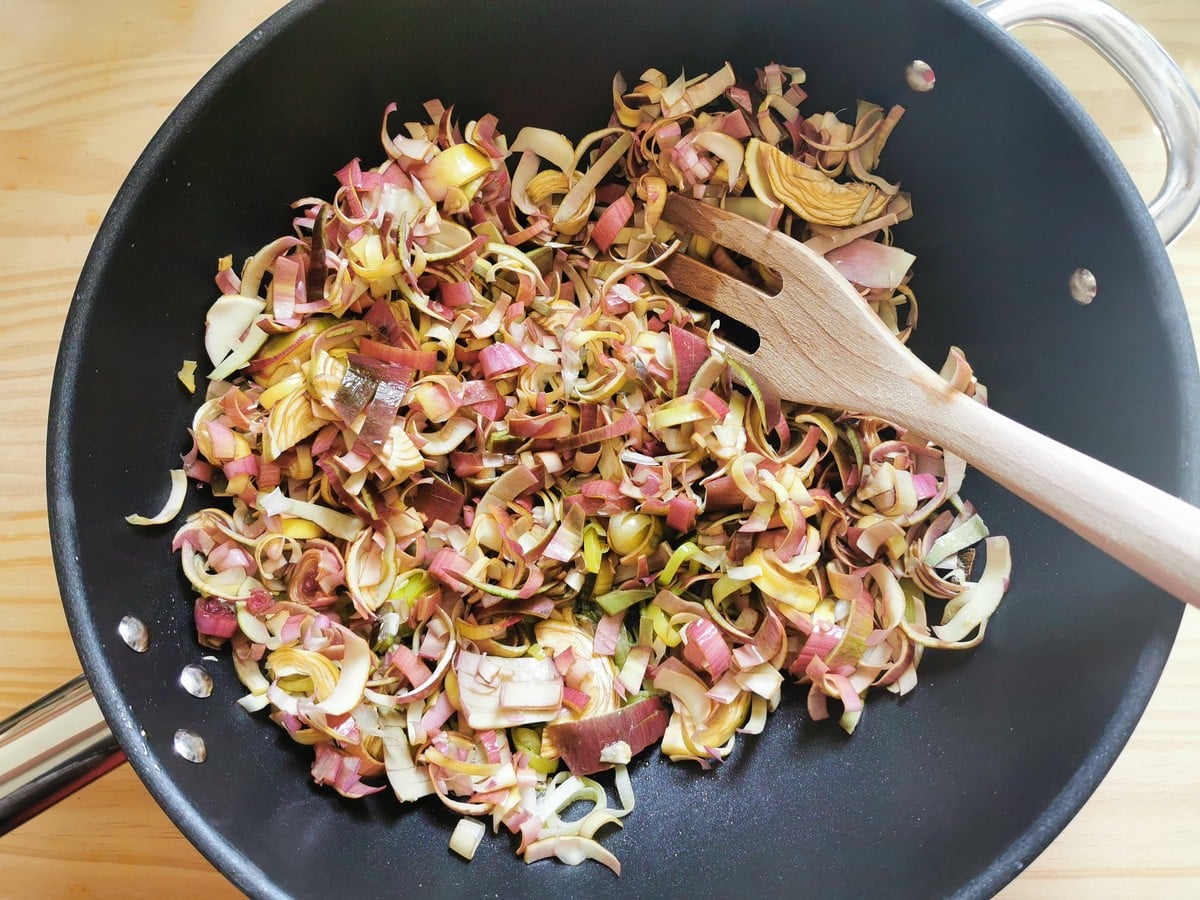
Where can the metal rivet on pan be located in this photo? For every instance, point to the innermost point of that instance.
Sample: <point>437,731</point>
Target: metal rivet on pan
<point>134,632</point>
<point>1083,286</point>
<point>920,76</point>
<point>190,746</point>
<point>196,680</point>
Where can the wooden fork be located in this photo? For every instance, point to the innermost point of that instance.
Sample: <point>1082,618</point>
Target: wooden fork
<point>821,344</point>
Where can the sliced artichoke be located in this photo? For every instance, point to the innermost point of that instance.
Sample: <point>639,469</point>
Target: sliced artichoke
<point>296,663</point>
<point>281,350</point>
<point>400,455</point>
<point>292,420</point>
<point>556,636</point>
<point>776,178</point>
<point>324,375</point>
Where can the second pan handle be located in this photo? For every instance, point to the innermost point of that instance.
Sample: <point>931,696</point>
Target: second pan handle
<point>1156,78</point>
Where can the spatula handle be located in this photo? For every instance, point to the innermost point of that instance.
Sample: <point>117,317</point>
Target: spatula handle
<point>1154,533</point>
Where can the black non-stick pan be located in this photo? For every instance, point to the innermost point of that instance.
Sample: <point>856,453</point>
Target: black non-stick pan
<point>950,791</point>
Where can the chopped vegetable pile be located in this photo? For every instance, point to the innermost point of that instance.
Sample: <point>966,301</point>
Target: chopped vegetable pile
<point>502,514</point>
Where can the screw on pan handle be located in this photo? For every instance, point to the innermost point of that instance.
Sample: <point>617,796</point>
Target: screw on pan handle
<point>1159,82</point>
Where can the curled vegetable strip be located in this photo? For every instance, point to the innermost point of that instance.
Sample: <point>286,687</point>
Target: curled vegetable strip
<point>500,514</point>
<point>172,506</point>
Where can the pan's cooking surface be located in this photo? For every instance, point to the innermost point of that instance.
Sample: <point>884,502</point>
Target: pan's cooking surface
<point>940,791</point>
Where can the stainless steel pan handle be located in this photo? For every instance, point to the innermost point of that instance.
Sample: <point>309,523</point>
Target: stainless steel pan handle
<point>50,749</point>
<point>1155,77</point>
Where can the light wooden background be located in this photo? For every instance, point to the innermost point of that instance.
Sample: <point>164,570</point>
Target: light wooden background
<point>83,86</point>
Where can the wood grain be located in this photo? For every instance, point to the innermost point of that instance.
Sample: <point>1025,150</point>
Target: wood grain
<point>83,86</point>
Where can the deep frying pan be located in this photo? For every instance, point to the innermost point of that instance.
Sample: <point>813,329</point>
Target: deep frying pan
<point>950,791</point>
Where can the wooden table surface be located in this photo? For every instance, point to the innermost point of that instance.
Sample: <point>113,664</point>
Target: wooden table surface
<point>83,86</point>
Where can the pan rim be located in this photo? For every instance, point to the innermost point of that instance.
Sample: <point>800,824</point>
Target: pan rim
<point>1165,300</point>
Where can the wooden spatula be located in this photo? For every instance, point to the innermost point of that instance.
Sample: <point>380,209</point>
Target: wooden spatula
<point>821,344</point>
